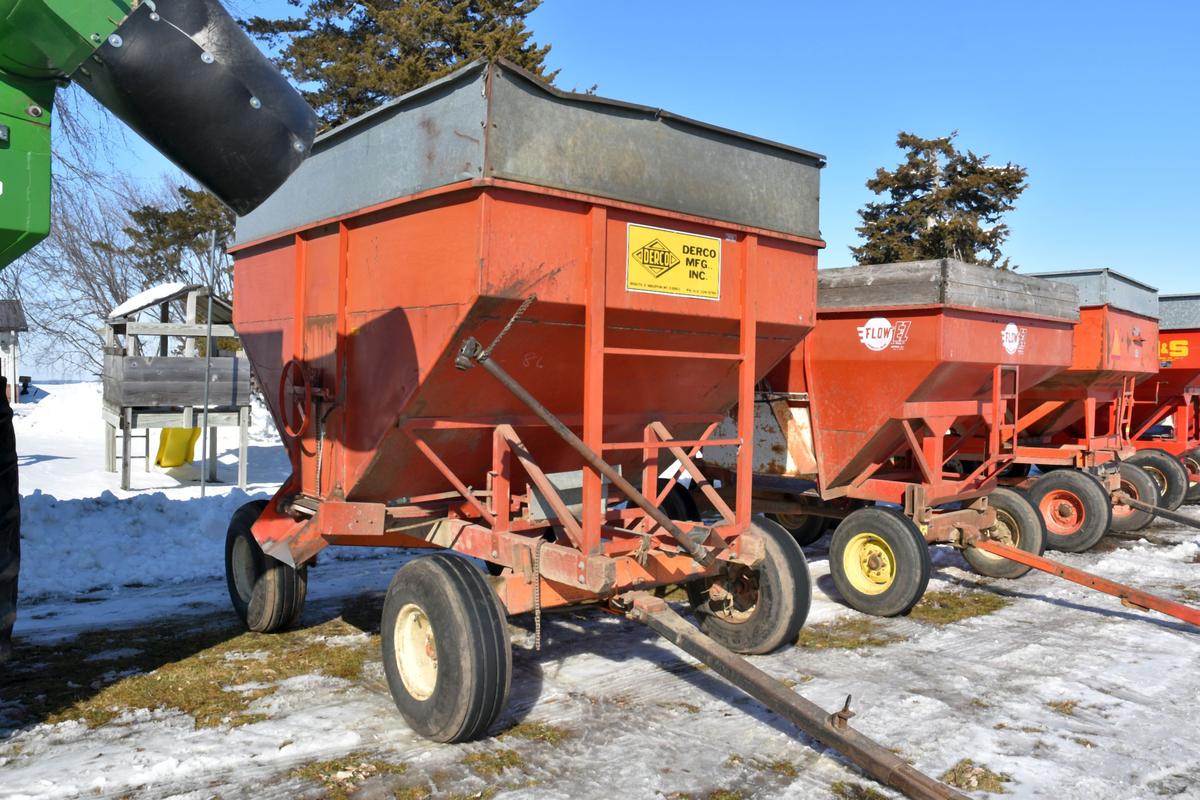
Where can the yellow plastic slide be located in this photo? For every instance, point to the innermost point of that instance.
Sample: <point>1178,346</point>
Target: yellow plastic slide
<point>176,447</point>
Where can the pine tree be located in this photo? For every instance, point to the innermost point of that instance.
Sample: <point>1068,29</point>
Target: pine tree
<point>941,203</point>
<point>175,243</point>
<point>357,54</point>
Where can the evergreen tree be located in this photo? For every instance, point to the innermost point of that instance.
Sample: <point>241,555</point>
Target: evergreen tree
<point>357,54</point>
<point>175,243</point>
<point>941,203</point>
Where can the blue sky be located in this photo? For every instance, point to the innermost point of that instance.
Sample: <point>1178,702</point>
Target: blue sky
<point>1100,101</point>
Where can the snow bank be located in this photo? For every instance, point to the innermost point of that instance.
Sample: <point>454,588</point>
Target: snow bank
<point>109,543</point>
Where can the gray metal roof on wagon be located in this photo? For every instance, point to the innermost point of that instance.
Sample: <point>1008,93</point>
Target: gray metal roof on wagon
<point>1106,287</point>
<point>945,281</point>
<point>494,120</point>
<point>1178,312</point>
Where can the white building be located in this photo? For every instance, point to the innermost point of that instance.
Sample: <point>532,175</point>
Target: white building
<point>12,322</point>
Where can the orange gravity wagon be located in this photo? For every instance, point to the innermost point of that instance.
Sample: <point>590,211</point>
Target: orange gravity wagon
<point>485,316</point>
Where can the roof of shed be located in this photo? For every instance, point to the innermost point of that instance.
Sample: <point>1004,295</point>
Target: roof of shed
<point>166,293</point>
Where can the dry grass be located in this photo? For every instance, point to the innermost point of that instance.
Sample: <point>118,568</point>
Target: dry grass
<point>849,633</point>
<point>489,764</point>
<point>972,777</point>
<point>341,777</point>
<point>1064,707</point>
<point>539,732</point>
<point>944,607</point>
<point>196,670</point>
<point>844,790</point>
<point>782,767</point>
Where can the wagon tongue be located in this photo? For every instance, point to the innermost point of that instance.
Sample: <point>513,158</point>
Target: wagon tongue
<point>832,730</point>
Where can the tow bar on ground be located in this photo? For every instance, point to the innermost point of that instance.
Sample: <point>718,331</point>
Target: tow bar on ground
<point>1174,516</point>
<point>832,730</point>
<point>1127,594</point>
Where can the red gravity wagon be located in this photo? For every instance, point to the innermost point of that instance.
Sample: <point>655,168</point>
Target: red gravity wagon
<point>483,315</point>
<point>487,316</point>
<point>1166,408</point>
<point>1075,426</point>
<point>859,413</point>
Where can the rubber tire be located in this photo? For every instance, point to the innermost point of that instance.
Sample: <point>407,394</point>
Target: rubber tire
<point>808,531</point>
<point>274,599</point>
<point>474,654</point>
<point>1191,461</point>
<point>679,504</point>
<point>1145,489</point>
<point>1173,487</point>
<point>784,599</point>
<point>913,562</point>
<point>1030,535</point>
<point>1016,471</point>
<point>1093,497</point>
<point>10,525</point>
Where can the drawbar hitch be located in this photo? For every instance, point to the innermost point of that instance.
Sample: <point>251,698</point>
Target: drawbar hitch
<point>832,730</point>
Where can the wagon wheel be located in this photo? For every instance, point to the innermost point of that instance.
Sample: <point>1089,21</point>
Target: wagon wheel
<point>1018,525</point>
<point>755,611</point>
<point>1191,461</point>
<point>879,562</point>
<point>1075,507</point>
<point>806,529</point>
<point>446,650</point>
<point>1138,484</point>
<point>292,381</point>
<point>1168,472</point>
<point>267,594</point>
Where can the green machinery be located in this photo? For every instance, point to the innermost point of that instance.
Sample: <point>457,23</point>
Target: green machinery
<point>182,74</point>
<point>179,72</point>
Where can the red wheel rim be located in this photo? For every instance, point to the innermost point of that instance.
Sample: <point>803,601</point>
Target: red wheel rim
<point>1063,512</point>
<point>1120,509</point>
<point>289,404</point>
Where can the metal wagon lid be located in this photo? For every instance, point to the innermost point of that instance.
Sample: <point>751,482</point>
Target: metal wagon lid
<point>1178,312</point>
<point>945,281</point>
<point>1106,287</point>
<point>495,120</point>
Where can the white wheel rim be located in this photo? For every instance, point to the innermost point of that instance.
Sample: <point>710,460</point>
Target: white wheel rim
<point>416,652</point>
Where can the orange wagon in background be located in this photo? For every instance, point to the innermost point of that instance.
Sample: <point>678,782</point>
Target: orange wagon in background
<point>858,414</point>
<point>1075,426</point>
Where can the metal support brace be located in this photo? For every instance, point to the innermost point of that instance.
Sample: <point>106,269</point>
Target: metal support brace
<point>472,353</point>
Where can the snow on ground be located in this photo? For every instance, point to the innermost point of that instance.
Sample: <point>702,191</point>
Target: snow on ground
<point>1064,690</point>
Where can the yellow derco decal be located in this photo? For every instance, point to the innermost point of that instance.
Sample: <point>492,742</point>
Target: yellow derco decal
<point>672,262</point>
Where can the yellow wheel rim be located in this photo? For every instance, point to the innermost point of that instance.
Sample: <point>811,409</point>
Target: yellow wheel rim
<point>869,564</point>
